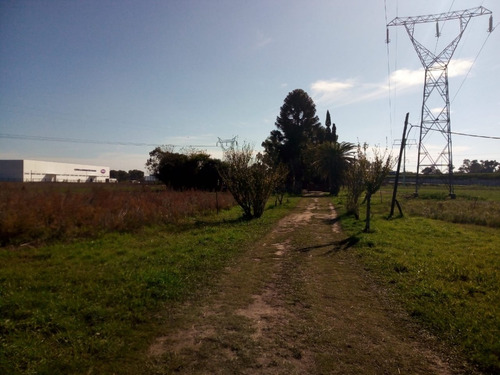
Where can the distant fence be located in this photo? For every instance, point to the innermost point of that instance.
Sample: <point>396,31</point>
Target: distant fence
<point>491,179</point>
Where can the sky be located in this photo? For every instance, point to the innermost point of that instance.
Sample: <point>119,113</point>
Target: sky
<point>104,82</point>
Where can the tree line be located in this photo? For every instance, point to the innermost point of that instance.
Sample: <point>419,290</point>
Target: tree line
<point>299,154</point>
<point>482,166</point>
<point>123,176</point>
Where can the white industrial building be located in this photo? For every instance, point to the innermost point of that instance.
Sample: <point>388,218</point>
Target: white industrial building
<point>47,171</point>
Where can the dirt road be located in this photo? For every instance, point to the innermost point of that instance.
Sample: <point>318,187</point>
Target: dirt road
<point>298,302</point>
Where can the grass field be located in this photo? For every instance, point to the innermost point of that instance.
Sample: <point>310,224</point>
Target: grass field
<point>90,306</point>
<point>34,213</point>
<point>443,260</point>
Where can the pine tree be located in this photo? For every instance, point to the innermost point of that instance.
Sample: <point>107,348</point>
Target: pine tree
<point>298,128</point>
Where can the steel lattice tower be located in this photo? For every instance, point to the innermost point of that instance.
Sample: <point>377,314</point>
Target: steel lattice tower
<point>435,114</point>
<point>227,144</point>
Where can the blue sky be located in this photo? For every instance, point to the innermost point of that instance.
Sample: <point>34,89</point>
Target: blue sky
<point>133,74</point>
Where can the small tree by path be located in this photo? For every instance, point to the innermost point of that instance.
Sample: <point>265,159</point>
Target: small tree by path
<point>377,171</point>
<point>355,181</point>
<point>366,176</point>
<point>250,180</point>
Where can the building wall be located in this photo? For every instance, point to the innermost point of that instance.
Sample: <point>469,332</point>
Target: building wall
<point>38,171</point>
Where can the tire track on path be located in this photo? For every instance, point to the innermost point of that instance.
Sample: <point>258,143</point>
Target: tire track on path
<point>297,302</point>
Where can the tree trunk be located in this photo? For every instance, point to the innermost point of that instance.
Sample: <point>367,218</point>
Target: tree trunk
<point>368,213</point>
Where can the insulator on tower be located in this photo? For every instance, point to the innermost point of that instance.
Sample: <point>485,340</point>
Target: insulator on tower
<point>436,87</point>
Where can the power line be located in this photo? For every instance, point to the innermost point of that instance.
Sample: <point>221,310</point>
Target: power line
<point>91,141</point>
<point>440,31</point>
<point>436,83</point>
<point>458,133</point>
<point>470,68</point>
<point>476,136</point>
<point>388,68</point>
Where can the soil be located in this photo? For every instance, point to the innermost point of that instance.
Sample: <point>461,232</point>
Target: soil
<point>298,302</point>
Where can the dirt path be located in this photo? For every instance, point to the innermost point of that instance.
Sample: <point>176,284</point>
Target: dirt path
<point>298,302</point>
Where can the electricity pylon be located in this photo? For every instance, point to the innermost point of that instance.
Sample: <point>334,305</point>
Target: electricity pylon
<point>227,144</point>
<point>435,114</point>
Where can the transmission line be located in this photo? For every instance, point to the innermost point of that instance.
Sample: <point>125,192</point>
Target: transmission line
<point>90,141</point>
<point>470,68</point>
<point>462,134</point>
<point>388,68</point>
<point>436,84</point>
<point>476,135</point>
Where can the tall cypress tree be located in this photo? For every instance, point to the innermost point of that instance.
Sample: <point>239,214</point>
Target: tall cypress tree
<point>331,129</point>
<point>328,123</point>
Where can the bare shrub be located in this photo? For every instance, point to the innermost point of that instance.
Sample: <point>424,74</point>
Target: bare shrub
<point>365,176</point>
<point>250,180</point>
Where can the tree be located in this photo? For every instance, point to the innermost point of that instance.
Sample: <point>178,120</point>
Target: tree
<point>121,176</point>
<point>331,161</point>
<point>250,180</point>
<point>156,158</point>
<point>490,166</point>
<point>328,124</point>
<point>136,175</point>
<point>331,130</point>
<point>334,137</point>
<point>432,170</point>
<point>196,170</point>
<point>355,181</point>
<point>375,174</point>
<point>483,166</point>
<point>297,128</point>
<point>365,176</point>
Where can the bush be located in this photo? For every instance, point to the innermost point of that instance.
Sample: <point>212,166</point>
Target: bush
<point>250,181</point>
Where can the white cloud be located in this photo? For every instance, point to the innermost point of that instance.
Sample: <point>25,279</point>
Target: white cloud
<point>406,78</point>
<point>327,91</point>
<point>331,86</point>
<point>349,91</point>
<point>459,67</point>
<point>346,92</point>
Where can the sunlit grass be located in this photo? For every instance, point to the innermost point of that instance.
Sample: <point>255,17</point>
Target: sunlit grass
<point>91,306</point>
<point>473,205</point>
<point>446,273</point>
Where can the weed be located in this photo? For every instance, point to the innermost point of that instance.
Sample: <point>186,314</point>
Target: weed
<point>46,212</point>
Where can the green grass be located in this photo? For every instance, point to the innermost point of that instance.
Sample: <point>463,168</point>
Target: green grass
<point>91,307</point>
<point>446,273</point>
<point>473,205</point>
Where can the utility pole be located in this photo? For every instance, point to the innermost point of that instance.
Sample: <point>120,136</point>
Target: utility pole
<point>435,113</point>
<point>396,179</point>
<point>408,144</point>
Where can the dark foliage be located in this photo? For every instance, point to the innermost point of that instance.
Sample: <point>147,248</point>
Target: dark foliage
<point>123,176</point>
<point>184,171</point>
<point>482,166</point>
<point>298,128</point>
